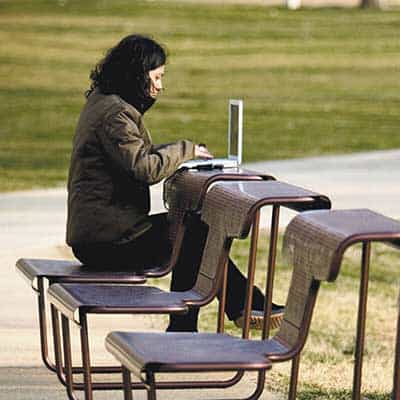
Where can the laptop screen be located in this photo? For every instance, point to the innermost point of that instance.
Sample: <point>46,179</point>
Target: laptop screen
<point>235,130</point>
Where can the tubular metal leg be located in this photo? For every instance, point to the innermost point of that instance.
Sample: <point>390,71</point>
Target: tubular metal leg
<point>260,386</point>
<point>220,329</point>
<point>273,241</point>
<point>151,391</point>
<point>151,385</point>
<point>115,369</point>
<point>362,312</point>
<point>294,375</point>
<point>68,357</point>
<point>251,269</point>
<point>44,346</point>
<point>55,320</point>
<point>396,375</point>
<point>222,300</point>
<point>87,377</point>
<point>126,378</point>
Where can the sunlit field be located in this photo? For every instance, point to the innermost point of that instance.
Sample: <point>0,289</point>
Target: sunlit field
<point>313,81</point>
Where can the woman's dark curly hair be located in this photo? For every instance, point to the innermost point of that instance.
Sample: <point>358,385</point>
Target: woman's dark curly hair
<point>125,68</point>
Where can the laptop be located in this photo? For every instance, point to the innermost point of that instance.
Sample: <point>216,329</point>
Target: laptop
<point>235,143</point>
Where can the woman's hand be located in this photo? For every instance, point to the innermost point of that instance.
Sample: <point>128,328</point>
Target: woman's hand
<point>201,151</point>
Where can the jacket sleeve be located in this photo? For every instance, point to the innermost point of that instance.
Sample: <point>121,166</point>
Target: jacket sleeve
<point>132,150</point>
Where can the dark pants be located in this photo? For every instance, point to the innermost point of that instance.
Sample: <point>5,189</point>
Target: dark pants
<point>152,248</point>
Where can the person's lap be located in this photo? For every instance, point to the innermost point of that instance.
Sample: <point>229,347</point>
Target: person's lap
<point>154,249</point>
<point>149,250</point>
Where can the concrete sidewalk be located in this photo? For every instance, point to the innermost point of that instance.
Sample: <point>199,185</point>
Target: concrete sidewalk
<point>32,224</point>
<point>361,180</point>
<point>365,180</point>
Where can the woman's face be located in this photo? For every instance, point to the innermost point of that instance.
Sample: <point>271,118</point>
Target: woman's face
<point>156,76</point>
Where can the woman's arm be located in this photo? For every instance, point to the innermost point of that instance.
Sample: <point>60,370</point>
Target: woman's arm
<point>129,148</point>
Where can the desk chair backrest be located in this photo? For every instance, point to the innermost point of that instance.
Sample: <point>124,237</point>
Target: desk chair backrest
<point>314,244</point>
<point>185,191</point>
<point>229,209</point>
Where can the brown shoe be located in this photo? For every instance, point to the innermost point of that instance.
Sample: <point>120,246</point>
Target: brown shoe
<point>257,318</point>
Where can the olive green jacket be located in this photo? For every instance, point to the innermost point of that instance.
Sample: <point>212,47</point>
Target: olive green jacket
<point>113,163</point>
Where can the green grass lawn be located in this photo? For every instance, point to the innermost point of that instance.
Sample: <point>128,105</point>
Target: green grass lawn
<point>313,81</point>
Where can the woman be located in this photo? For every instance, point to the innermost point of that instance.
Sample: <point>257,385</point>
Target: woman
<point>113,163</point>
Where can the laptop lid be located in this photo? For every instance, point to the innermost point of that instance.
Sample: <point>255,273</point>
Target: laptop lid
<point>235,138</point>
<point>235,130</point>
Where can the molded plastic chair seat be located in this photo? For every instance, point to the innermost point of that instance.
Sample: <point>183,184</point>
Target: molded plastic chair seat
<point>72,271</point>
<point>113,299</point>
<point>174,352</point>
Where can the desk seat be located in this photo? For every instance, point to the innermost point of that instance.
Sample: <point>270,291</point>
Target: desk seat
<point>113,299</point>
<point>34,269</point>
<point>179,351</point>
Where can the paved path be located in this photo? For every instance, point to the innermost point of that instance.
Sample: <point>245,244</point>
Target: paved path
<point>363,180</point>
<point>32,225</point>
<point>37,218</point>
